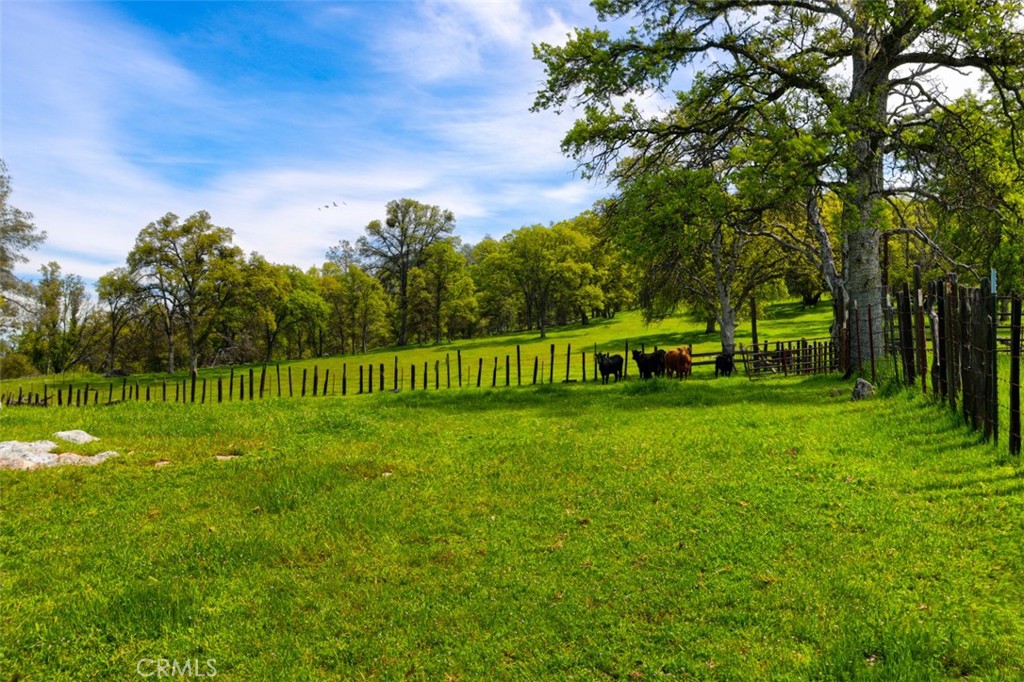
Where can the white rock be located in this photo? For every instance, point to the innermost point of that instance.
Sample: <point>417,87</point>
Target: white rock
<point>35,455</point>
<point>76,436</point>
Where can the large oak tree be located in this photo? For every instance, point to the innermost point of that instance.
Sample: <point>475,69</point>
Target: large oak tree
<point>396,246</point>
<point>853,74</point>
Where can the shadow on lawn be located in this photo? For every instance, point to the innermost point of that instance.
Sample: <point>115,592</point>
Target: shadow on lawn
<point>562,399</point>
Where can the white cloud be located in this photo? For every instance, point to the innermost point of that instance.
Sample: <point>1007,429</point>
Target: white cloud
<point>106,129</point>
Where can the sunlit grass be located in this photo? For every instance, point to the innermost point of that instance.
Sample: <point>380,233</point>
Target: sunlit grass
<point>784,321</point>
<point>705,529</point>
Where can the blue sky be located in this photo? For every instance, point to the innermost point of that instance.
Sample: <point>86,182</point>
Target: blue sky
<point>114,114</point>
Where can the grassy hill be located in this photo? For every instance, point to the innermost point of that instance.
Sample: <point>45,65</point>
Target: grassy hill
<point>784,321</point>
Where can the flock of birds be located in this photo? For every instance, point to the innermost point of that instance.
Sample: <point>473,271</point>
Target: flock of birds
<point>333,204</point>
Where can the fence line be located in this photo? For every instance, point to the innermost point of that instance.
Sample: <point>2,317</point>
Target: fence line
<point>963,339</point>
<point>961,331</point>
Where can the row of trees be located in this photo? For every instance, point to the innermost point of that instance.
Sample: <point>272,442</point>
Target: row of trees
<point>187,291</point>
<point>814,145</point>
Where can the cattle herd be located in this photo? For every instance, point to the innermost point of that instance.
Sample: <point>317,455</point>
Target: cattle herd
<point>677,362</point>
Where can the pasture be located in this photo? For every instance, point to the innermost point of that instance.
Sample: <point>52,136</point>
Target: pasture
<point>703,529</point>
<point>786,320</point>
<point>658,530</point>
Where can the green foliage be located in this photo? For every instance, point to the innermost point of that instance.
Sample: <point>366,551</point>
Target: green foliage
<point>17,233</point>
<point>806,97</point>
<point>16,365</point>
<point>690,236</point>
<point>190,271</point>
<point>397,245</point>
<point>64,331</point>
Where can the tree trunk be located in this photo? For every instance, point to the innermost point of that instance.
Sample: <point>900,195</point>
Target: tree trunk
<point>403,309</point>
<point>829,270</point>
<point>169,329</point>
<point>862,268</point>
<point>753,321</point>
<point>727,320</point>
<point>726,312</point>
<point>710,325</point>
<point>193,352</point>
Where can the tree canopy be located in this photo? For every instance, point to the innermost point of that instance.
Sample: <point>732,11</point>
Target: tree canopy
<point>845,79</point>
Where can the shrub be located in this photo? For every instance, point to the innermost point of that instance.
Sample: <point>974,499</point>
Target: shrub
<point>14,365</point>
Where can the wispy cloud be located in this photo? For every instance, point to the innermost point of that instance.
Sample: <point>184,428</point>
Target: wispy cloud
<point>112,118</point>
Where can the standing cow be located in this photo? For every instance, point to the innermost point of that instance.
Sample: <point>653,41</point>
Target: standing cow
<point>678,362</point>
<point>609,365</point>
<point>724,365</point>
<point>649,364</point>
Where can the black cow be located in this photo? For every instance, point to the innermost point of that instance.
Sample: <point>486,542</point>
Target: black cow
<point>724,365</point>
<point>649,364</point>
<point>659,359</point>
<point>609,365</point>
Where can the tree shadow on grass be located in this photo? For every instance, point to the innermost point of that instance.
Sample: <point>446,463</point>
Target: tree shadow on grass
<point>573,398</point>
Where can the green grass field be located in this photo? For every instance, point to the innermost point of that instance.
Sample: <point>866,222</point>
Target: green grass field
<point>708,529</point>
<point>785,321</point>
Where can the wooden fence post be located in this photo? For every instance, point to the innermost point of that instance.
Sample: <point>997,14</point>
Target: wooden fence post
<point>479,372</point>
<point>458,359</point>
<point>922,352</point>
<point>361,370</point>
<point>412,377</point>
<point>536,361</point>
<point>551,366</point>
<point>437,375</point>
<point>381,373</point>
<point>263,379</point>
<point>448,370</point>
<point>508,378</point>
<point>494,374</point>
<point>871,344</point>
<point>252,384</point>
<point>568,360</point>
<point>993,377</point>
<point>949,299</point>
<point>344,378</point>
<point>220,390</point>
<point>303,393</point>
<point>583,355</point>
<point>856,333</point>
<point>279,380</point>
<point>519,368</point>
<point>1015,353</point>
<point>316,379</point>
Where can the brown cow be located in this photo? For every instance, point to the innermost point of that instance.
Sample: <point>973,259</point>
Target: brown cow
<point>678,362</point>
